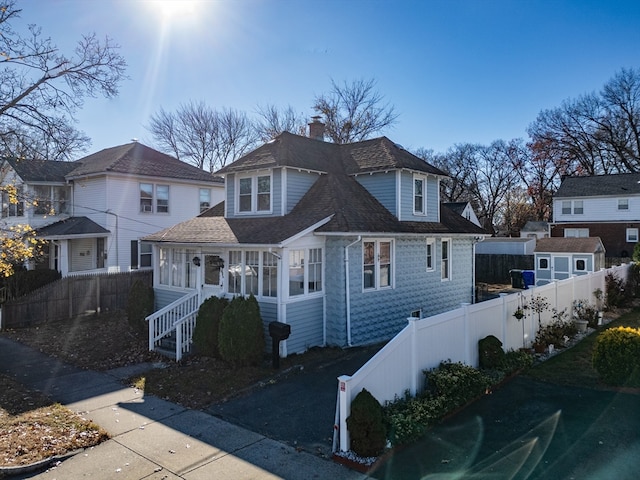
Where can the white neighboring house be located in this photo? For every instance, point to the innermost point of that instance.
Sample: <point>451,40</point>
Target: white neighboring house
<point>92,212</point>
<point>466,210</point>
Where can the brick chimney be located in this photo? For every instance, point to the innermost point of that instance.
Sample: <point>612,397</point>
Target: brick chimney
<point>316,128</point>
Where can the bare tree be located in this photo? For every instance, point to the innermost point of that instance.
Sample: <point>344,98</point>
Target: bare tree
<point>596,133</point>
<point>272,121</point>
<point>354,112</point>
<point>42,88</point>
<point>202,136</point>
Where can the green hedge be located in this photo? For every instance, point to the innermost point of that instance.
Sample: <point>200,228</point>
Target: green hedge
<point>241,334</point>
<point>616,356</point>
<point>366,425</point>
<point>205,334</point>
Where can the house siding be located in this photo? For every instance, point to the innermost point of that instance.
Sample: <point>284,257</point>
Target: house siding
<point>378,315</point>
<point>306,320</point>
<point>598,209</point>
<point>297,185</point>
<point>406,199</point>
<point>383,188</point>
<point>164,297</point>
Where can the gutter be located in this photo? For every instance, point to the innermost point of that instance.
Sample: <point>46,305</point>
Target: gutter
<point>346,282</point>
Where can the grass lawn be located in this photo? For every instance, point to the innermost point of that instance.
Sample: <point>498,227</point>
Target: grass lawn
<point>573,367</point>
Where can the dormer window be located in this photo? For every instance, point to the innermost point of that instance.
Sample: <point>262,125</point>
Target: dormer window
<point>254,194</point>
<point>419,189</point>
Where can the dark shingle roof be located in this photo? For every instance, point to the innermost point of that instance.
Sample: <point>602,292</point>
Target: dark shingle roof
<point>338,200</point>
<point>138,159</point>
<point>72,226</point>
<point>288,150</point>
<point>600,185</point>
<point>41,170</point>
<point>569,245</point>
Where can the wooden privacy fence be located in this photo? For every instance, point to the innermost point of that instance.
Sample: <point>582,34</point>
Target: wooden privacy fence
<point>398,367</point>
<point>70,297</point>
<point>494,268</point>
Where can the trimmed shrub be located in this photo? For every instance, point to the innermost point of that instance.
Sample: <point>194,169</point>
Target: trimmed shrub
<point>491,353</point>
<point>615,293</point>
<point>140,305</point>
<point>616,356</point>
<point>241,333</point>
<point>205,334</point>
<point>458,382</point>
<point>366,425</point>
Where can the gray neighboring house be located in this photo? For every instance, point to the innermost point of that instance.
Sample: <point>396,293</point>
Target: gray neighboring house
<point>341,242</point>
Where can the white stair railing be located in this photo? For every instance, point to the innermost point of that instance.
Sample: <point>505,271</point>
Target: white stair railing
<point>179,316</point>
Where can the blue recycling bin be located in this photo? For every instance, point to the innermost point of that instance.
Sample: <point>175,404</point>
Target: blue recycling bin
<point>529,278</point>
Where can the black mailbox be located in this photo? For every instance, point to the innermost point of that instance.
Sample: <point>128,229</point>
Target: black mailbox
<point>278,331</point>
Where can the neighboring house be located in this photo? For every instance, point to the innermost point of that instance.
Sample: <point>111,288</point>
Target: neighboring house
<point>465,209</point>
<point>92,212</point>
<point>560,258</point>
<point>605,206</point>
<point>506,246</point>
<point>535,229</point>
<point>341,242</point>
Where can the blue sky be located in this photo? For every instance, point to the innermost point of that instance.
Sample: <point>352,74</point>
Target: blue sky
<point>455,70</point>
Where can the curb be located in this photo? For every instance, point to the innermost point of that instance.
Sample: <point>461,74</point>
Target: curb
<point>39,465</point>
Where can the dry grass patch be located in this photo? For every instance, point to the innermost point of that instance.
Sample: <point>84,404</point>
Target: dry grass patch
<point>33,429</point>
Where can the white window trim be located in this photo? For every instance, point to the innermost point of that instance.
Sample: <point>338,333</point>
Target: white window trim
<point>572,207</point>
<point>623,204</point>
<point>376,264</point>
<point>423,179</point>
<point>243,267</point>
<point>548,263</point>
<point>431,242</point>
<point>449,260</point>
<point>306,270</point>
<point>575,264</point>
<point>632,231</point>
<point>254,194</point>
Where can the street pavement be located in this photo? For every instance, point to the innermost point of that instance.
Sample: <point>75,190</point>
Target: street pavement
<point>152,438</point>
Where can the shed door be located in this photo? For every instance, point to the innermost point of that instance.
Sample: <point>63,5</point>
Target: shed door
<point>560,267</point>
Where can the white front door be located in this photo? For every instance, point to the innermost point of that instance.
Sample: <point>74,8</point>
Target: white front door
<point>213,267</point>
<point>560,267</point>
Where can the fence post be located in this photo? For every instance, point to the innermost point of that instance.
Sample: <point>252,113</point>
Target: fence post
<point>414,354</point>
<point>344,390</point>
<point>505,317</point>
<point>467,346</point>
<point>98,294</point>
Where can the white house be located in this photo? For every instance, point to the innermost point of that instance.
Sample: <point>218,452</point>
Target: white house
<point>92,212</point>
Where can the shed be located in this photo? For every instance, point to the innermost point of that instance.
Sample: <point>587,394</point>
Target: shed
<point>506,246</point>
<point>557,258</point>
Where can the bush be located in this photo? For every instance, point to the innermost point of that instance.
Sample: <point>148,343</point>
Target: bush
<point>515,360</point>
<point>556,333</point>
<point>633,280</point>
<point>205,334</point>
<point>583,310</point>
<point>490,351</point>
<point>616,356</point>
<point>241,333</point>
<point>615,292</point>
<point>140,305</point>
<point>458,382</point>
<point>25,281</point>
<point>366,425</point>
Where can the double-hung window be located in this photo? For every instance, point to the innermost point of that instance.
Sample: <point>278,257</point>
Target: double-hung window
<point>632,235</point>
<point>377,264</point>
<point>12,203</point>
<point>154,196</point>
<point>431,250</point>
<point>305,271</point>
<point>205,199</point>
<point>419,190</point>
<point>254,194</point>
<point>445,259</point>
<point>623,204</point>
<point>576,207</point>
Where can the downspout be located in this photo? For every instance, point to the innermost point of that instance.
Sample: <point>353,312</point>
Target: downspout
<point>348,294</point>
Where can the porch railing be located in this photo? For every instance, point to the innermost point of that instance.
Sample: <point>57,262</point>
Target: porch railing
<point>179,316</point>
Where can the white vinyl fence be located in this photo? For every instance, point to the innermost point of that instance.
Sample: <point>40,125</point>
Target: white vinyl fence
<point>399,366</point>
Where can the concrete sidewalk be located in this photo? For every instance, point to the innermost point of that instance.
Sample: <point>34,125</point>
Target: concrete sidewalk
<point>150,437</point>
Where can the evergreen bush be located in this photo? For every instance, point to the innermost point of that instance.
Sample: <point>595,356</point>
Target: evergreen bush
<point>140,305</point>
<point>616,356</point>
<point>491,353</point>
<point>241,333</point>
<point>205,334</point>
<point>366,425</point>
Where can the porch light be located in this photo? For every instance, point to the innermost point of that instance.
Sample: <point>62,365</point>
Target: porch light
<point>196,261</point>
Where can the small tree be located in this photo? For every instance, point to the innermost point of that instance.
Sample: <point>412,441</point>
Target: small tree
<point>366,425</point>
<point>241,334</point>
<point>205,334</point>
<point>139,305</point>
